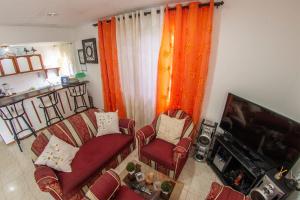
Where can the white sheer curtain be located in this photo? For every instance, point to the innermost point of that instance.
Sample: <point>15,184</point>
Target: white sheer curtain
<point>66,58</point>
<point>138,43</point>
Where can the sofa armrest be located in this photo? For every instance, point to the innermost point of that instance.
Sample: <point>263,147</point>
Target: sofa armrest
<point>127,126</point>
<point>180,154</point>
<point>105,186</point>
<point>145,135</point>
<point>47,180</point>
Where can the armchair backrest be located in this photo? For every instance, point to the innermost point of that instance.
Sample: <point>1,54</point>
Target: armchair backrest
<point>188,127</point>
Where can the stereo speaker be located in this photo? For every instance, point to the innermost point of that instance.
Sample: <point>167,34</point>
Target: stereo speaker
<point>204,140</point>
<point>266,189</point>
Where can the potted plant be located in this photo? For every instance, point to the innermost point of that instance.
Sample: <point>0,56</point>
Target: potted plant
<point>130,168</point>
<point>166,187</point>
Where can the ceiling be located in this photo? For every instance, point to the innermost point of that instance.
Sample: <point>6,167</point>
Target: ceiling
<point>70,12</point>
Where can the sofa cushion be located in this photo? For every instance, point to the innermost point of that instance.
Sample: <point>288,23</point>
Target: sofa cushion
<point>91,157</point>
<point>159,151</point>
<point>124,193</point>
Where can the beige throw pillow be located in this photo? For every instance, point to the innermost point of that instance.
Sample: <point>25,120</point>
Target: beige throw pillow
<point>107,122</point>
<point>170,129</point>
<point>58,155</point>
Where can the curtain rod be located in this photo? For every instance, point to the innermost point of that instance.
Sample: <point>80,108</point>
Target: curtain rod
<point>216,4</point>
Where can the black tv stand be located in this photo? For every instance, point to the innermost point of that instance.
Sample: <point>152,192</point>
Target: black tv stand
<point>235,165</point>
<point>246,151</point>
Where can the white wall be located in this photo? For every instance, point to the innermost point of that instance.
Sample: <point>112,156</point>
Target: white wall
<point>30,34</point>
<point>256,55</point>
<point>12,35</point>
<point>93,70</point>
<point>52,57</point>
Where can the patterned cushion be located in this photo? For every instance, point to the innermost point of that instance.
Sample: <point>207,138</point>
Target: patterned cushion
<point>107,122</point>
<point>57,155</point>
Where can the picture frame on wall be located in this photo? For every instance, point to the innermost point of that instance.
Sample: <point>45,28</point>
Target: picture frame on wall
<point>81,56</point>
<point>90,50</point>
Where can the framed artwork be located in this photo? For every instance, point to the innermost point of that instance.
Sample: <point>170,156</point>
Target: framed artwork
<point>90,50</point>
<point>81,56</point>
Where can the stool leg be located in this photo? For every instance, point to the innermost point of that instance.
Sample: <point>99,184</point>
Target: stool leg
<point>76,104</point>
<point>83,102</point>
<point>57,112</point>
<point>48,123</point>
<point>15,135</point>
<point>28,125</point>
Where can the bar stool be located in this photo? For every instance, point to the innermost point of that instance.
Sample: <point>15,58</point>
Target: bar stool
<point>13,113</point>
<point>78,91</point>
<point>49,102</point>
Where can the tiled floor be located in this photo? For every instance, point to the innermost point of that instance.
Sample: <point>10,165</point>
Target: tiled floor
<point>17,181</point>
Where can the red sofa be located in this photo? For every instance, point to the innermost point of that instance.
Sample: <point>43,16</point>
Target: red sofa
<point>108,186</point>
<point>96,154</point>
<point>162,155</point>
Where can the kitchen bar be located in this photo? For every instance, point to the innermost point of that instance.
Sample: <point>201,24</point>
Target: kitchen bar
<point>34,113</point>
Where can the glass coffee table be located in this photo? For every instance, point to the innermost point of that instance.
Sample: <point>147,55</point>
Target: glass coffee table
<point>151,190</point>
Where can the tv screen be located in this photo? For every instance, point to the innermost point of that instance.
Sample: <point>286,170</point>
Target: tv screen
<point>274,137</point>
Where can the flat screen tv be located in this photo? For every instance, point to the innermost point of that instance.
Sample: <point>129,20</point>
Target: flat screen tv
<point>274,137</point>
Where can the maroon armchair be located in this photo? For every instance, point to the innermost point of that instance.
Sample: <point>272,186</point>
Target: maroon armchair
<point>108,187</point>
<point>162,155</point>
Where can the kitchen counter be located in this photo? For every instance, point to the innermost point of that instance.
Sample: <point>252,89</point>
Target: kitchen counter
<point>33,93</point>
<point>34,113</point>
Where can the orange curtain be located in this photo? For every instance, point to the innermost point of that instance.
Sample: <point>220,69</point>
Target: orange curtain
<point>113,98</point>
<point>184,58</point>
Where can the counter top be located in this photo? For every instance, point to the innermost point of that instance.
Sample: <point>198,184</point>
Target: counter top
<point>33,93</point>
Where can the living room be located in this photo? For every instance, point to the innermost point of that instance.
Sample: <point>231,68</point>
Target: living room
<point>69,68</point>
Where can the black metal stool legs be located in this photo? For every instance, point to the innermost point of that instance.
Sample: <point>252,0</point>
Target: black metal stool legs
<point>29,126</point>
<point>16,138</point>
<point>83,102</point>
<point>75,104</point>
<point>49,101</point>
<point>76,92</point>
<point>12,113</point>
<point>57,112</point>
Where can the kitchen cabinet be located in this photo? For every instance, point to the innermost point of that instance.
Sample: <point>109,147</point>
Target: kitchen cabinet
<point>23,63</point>
<point>36,62</point>
<point>8,66</point>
